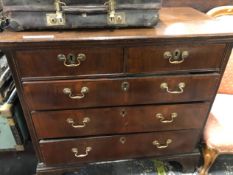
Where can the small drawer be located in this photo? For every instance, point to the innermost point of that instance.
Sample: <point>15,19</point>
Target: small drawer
<point>69,62</point>
<point>84,150</point>
<point>150,59</point>
<point>105,121</point>
<point>71,94</point>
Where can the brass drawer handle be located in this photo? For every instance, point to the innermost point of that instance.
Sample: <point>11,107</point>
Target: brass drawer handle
<point>85,121</point>
<point>181,87</point>
<point>83,92</point>
<point>159,146</point>
<point>75,151</point>
<point>71,60</point>
<point>162,118</point>
<point>177,57</point>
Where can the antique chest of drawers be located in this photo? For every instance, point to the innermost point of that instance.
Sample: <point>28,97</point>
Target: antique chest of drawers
<point>103,95</point>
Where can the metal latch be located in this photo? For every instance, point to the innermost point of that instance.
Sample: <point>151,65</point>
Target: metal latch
<point>56,19</point>
<point>113,16</point>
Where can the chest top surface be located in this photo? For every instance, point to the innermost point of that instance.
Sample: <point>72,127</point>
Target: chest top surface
<point>182,22</point>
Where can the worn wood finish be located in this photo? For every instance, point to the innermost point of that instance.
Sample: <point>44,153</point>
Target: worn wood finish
<point>119,120</point>
<point>120,150</point>
<point>45,62</point>
<point>198,4</point>
<point>151,58</point>
<point>176,25</point>
<point>109,92</point>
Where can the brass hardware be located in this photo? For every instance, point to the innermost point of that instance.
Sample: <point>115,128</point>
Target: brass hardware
<point>177,57</point>
<point>159,146</point>
<point>85,121</point>
<point>162,118</point>
<point>125,86</point>
<point>167,55</point>
<point>71,60</point>
<point>56,19</point>
<point>181,87</point>
<point>113,17</point>
<point>84,91</point>
<point>185,54</point>
<point>75,151</point>
<point>111,8</point>
<point>123,140</point>
<point>123,113</point>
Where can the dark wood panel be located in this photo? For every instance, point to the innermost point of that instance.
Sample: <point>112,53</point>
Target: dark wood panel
<point>175,57</point>
<point>50,95</point>
<point>118,147</point>
<point>176,26</point>
<point>197,4</point>
<point>45,62</point>
<point>119,120</point>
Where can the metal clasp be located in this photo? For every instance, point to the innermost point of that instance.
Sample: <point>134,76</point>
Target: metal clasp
<point>113,17</point>
<point>56,19</point>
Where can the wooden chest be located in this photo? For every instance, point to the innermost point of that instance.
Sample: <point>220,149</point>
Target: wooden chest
<point>93,96</point>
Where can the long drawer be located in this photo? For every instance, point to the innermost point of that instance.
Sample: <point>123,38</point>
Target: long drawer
<point>69,61</point>
<point>188,57</point>
<point>85,150</point>
<point>71,94</point>
<point>118,120</point>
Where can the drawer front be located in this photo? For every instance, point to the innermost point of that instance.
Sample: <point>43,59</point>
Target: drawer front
<point>175,58</point>
<point>119,120</point>
<point>69,62</point>
<point>118,147</point>
<point>73,94</point>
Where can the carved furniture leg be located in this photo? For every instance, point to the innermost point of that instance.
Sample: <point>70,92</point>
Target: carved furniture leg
<point>210,156</point>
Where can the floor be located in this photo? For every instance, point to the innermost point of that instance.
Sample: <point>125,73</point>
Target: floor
<point>25,163</point>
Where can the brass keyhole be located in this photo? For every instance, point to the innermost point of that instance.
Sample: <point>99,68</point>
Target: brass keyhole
<point>177,54</point>
<point>119,19</point>
<point>125,86</point>
<point>71,58</point>
<point>123,140</point>
<point>123,113</point>
<point>53,20</point>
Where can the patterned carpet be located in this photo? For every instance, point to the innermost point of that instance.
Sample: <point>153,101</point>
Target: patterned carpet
<point>25,164</point>
<point>223,166</point>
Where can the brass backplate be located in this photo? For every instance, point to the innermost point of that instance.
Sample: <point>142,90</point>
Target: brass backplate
<point>118,19</point>
<point>53,20</point>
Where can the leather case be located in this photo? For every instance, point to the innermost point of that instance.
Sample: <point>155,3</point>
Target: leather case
<point>71,14</point>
